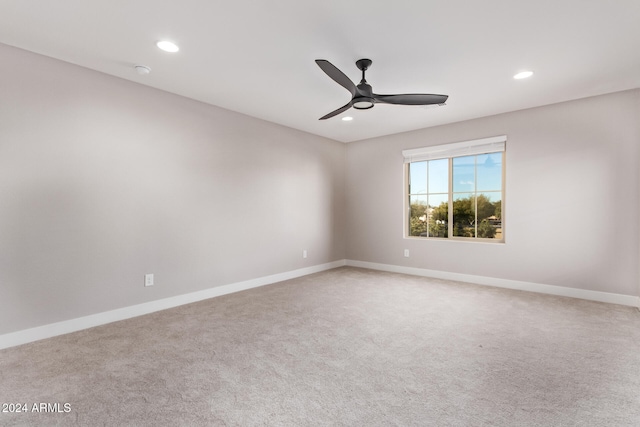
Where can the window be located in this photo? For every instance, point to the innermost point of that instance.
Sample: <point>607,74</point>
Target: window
<point>456,190</point>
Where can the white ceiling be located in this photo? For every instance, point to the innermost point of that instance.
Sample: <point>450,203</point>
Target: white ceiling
<point>257,57</point>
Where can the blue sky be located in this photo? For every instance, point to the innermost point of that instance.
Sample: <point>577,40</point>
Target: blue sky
<point>482,173</point>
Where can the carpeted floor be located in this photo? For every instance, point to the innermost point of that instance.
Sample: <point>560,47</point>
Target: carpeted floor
<point>346,347</point>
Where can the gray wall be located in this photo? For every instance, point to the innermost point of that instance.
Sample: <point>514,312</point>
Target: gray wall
<point>103,180</point>
<point>571,206</point>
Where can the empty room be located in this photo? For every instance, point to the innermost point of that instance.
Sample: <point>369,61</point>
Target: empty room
<point>287,213</point>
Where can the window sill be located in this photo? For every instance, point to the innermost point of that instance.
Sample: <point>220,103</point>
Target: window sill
<point>456,239</point>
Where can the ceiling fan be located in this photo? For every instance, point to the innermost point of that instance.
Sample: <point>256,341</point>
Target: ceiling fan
<point>362,96</point>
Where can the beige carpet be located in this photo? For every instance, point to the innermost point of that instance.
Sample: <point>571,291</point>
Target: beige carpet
<point>346,347</point>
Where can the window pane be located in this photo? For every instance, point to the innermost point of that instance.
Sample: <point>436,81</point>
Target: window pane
<point>438,215</point>
<point>464,174</point>
<point>464,215</point>
<point>418,178</point>
<point>458,195</point>
<point>489,172</point>
<point>439,176</point>
<point>418,224</point>
<point>489,208</point>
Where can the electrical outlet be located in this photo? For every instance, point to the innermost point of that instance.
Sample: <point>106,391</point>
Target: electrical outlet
<point>304,253</point>
<point>406,253</point>
<point>148,280</point>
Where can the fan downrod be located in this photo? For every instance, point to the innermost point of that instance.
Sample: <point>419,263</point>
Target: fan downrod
<point>364,64</point>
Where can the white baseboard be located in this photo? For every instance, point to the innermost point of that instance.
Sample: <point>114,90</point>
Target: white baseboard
<point>73,325</point>
<point>611,298</point>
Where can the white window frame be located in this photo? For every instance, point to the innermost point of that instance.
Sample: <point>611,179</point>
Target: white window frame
<point>495,144</point>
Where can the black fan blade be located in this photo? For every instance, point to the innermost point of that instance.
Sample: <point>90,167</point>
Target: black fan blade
<point>337,75</point>
<point>411,99</point>
<point>336,112</point>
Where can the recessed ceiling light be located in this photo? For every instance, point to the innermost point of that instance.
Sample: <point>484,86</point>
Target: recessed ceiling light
<point>523,75</point>
<point>142,69</point>
<point>347,119</point>
<point>167,46</point>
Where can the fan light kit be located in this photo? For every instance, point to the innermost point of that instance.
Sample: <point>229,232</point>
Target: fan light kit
<point>167,46</point>
<point>362,96</point>
<point>347,119</point>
